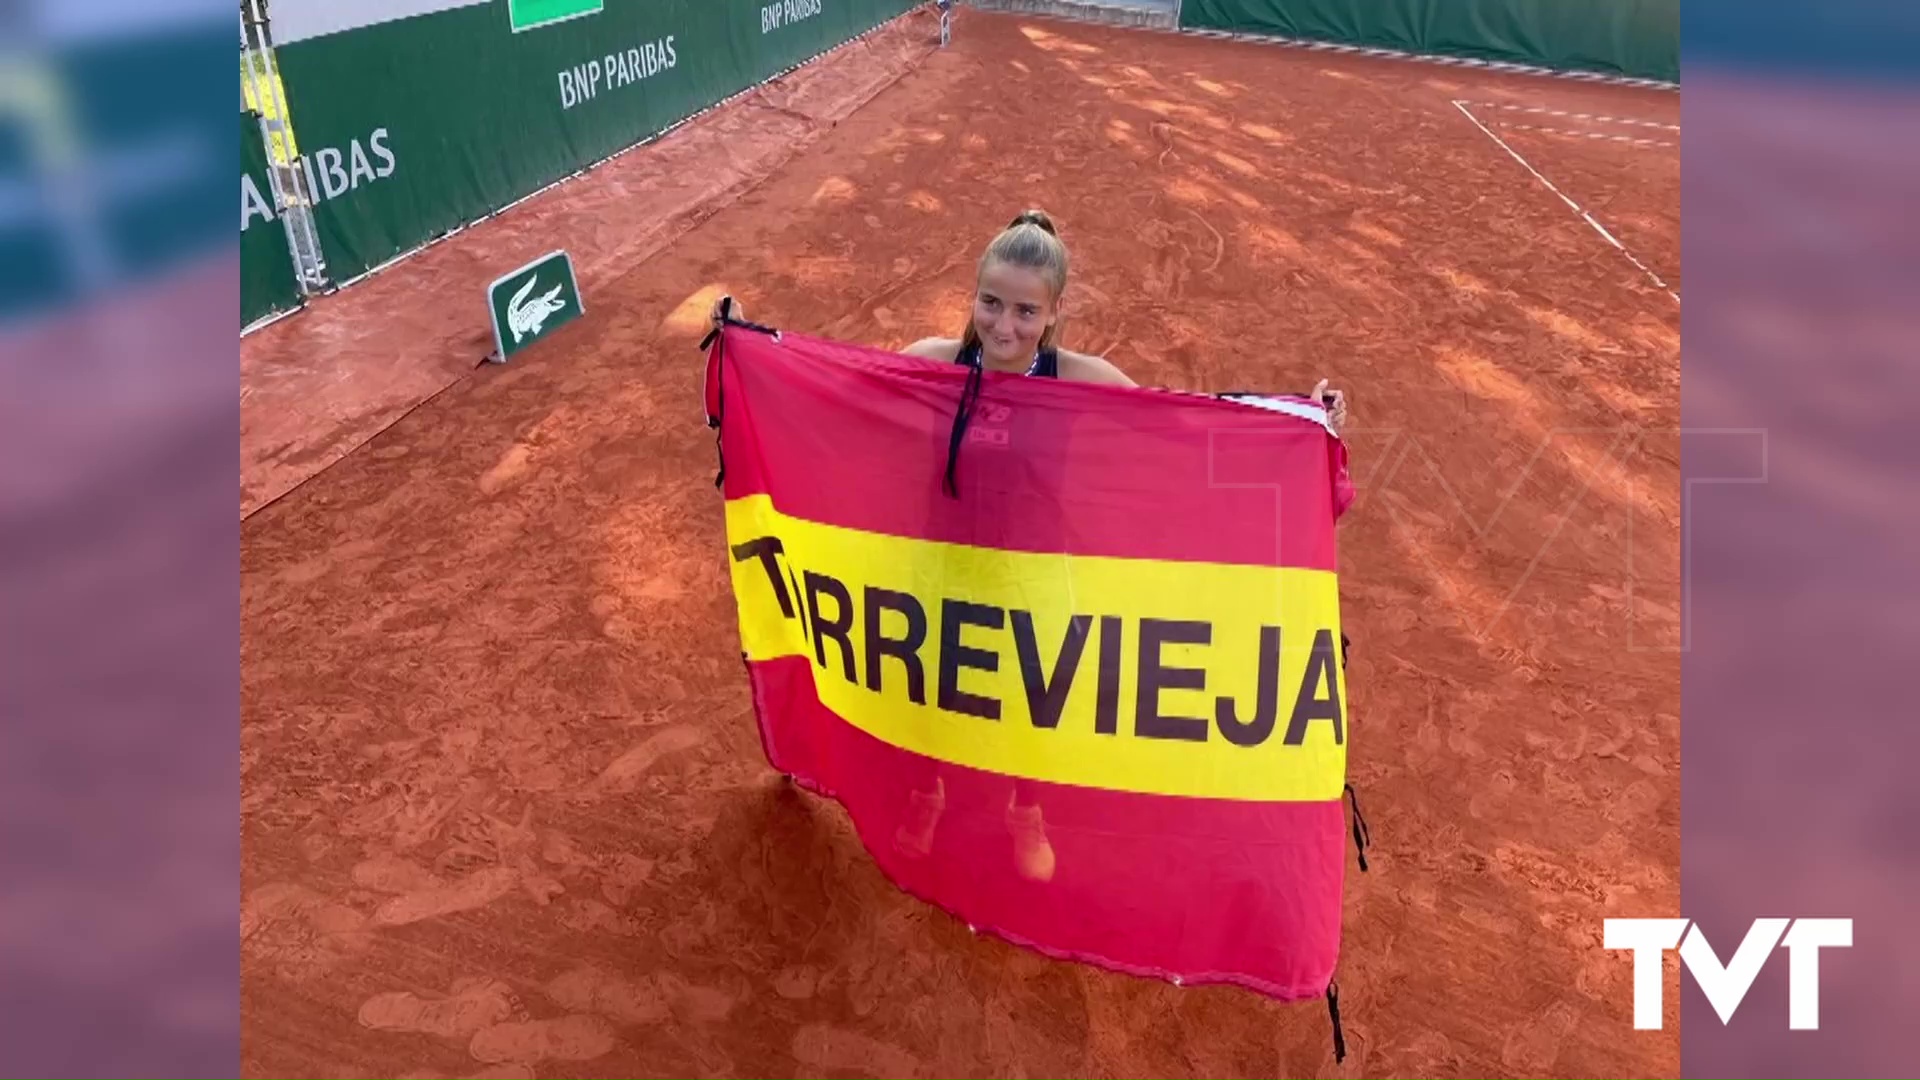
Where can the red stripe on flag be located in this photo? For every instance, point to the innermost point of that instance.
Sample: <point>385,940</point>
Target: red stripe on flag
<point>1205,890</point>
<point>858,437</point>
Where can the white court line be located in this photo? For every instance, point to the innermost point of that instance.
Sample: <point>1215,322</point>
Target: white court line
<point>1628,139</point>
<point>1597,227</point>
<point>1538,110</point>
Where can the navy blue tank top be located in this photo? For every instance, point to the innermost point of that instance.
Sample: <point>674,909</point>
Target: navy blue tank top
<point>1046,363</point>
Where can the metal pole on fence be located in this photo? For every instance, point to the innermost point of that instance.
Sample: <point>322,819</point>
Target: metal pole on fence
<point>291,185</point>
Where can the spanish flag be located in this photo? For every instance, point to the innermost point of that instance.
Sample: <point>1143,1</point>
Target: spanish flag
<point>1069,655</point>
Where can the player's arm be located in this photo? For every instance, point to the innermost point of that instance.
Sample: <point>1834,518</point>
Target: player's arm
<point>1081,367</point>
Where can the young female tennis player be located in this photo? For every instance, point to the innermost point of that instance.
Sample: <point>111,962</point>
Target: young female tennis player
<point>1015,323</point>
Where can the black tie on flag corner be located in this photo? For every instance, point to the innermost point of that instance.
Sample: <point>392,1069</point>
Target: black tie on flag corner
<point>727,319</point>
<point>719,396</point>
<point>1333,1014</point>
<point>1362,836</point>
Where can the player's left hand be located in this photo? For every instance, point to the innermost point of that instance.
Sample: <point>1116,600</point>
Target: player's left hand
<point>1335,402</point>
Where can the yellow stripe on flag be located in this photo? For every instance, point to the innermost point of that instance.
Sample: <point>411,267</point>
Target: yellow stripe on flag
<point>965,654</point>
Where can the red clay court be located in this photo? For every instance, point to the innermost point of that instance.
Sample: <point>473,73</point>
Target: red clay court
<point>505,809</point>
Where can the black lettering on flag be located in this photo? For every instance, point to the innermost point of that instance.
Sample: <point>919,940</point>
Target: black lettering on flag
<point>768,550</point>
<point>953,656</point>
<point>1266,707</point>
<point>905,649</point>
<point>1046,697</point>
<point>806,628</point>
<point>1106,703</point>
<point>1148,722</point>
<point>838,628</point>
<point>1309,705</point>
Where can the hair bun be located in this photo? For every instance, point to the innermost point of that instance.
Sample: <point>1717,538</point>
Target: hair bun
<point>1035,217</point>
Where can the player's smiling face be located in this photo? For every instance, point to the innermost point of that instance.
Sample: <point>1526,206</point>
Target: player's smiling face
<point>1012,309</point>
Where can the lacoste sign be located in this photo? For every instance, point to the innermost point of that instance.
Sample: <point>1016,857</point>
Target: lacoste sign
<point>530,14</point>
<point>532,302</point>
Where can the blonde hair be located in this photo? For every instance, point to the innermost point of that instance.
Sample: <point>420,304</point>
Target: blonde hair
<point>1030,242</point>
